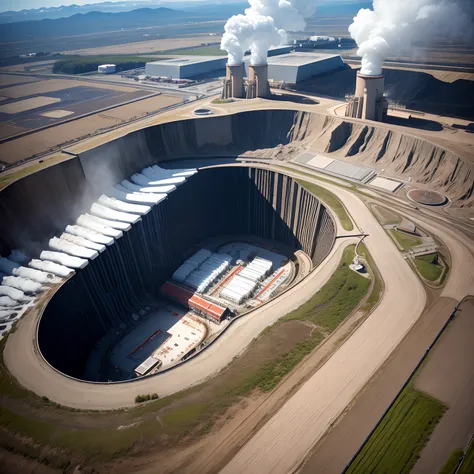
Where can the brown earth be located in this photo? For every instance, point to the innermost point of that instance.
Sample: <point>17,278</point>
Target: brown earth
<point>52,85</point>
<point>26,146</point>
<point>341,442</point>
<point>7,80</point>
<point>242,420</point>
<point>11,463</point>
<point>151,46</point>
<point>449,376</point>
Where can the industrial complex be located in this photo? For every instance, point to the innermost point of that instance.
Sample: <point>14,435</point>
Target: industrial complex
<point>295,67</point>
<point>267,270</point>
<point>186,67</point>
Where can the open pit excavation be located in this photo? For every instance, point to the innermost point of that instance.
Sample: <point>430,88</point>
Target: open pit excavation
<point>132,212</point>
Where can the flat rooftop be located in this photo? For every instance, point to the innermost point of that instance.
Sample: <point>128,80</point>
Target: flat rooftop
<point>296,59</point>
<point>186,60</point>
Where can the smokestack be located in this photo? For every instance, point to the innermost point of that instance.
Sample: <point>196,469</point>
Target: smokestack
<point>258,82</point>
<point>234,82</point>
<point>368,102</point>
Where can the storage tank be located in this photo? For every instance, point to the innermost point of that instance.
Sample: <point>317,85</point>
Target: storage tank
<point>107,68</point>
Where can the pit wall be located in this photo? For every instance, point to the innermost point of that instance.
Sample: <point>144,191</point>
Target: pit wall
<point>41,205</point>
<point>122,280</point>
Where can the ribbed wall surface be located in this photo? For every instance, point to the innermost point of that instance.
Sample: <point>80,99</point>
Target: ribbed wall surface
<point>214,202</point>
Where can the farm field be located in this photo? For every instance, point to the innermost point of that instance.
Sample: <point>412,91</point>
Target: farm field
<point>40,141</point>
<point>448,376</point>
<point>395,445</point>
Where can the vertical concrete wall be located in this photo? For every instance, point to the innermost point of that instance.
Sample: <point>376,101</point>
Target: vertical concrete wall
<point>120,282</point>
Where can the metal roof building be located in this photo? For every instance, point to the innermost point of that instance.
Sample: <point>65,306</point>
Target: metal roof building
<point>296,67</point>
<point>186,67</point>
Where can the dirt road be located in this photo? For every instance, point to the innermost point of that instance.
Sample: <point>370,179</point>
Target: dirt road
<point>335,450</point>
<point>285,440</point>
<point>35,374</point>
<point>448,376</point>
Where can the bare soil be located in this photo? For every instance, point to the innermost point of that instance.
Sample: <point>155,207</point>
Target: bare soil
<point>449,376</point>
<point>52,85</point>
<point>334,451</point>
<point>151,46</point>
<point>38,142</point>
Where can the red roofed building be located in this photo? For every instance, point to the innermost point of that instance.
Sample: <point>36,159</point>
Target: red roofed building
<point>188,299</point>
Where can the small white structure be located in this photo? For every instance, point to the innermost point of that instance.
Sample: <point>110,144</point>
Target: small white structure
<point>107,68</point>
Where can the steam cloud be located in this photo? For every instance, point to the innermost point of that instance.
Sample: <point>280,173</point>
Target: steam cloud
<point>392,26</point>
<point>263,25</point>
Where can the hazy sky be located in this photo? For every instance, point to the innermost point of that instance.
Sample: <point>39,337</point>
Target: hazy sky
<point>27,4</point>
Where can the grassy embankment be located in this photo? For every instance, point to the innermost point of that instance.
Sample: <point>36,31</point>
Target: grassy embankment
<point>396,444</point>
<point>385,217</point>
<point>94,436</point>
<point>428,266</point>
<point>452,462</point>
<point>467,465</point>
<point>331,200</point>
<point>405,241</point>
<point>80,65</point>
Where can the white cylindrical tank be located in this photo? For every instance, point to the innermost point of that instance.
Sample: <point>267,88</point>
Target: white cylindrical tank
<point>107,68</point>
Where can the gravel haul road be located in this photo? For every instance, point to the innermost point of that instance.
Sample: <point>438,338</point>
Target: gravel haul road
<point>281,445</point>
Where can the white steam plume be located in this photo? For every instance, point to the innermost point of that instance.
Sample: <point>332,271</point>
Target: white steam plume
<point>263,25</point>
<point>392,26</point>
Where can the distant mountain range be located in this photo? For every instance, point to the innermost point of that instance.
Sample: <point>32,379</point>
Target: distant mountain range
<point>52,13</point>
<point>106,21</point>
<point>34,14</point>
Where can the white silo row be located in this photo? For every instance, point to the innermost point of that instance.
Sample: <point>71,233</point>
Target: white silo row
<point>89,234</point>
<point>147,189</point>
<point>51,267</point>
<point>72,249</point>
<point>92,224</point>
<point>75,239</point>
<point>36,275</point>
<point>119,205</point>
<point>123,226</point>
<point>103,211</point>
<point>7,301</point>
<point>64,259</point>
<point>24,284</point>
<point>13,293</point>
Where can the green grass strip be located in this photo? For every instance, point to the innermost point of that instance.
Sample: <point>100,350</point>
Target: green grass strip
<point>405,241</point>
<point>452,462</point>
<point>396,444</point>
<point>331,200</point>
<point>429,271</point>
<point>337,298</point>
<point>467,465</point>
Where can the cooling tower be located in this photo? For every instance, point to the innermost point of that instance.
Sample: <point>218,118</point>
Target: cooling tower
<point>258,82</point>
<point>234,82</point>
<point>368,102</point>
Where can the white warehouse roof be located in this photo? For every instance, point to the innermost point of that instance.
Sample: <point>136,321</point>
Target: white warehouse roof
<point>295,67</point>
<point>186,67</point>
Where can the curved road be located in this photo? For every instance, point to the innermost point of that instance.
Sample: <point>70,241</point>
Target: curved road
<point>362,354</point>
<point>281,444</point>
<point>35,374</point>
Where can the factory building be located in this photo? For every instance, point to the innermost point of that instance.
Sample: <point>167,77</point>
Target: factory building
<point>185,67</point>
<point>296,67</point>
